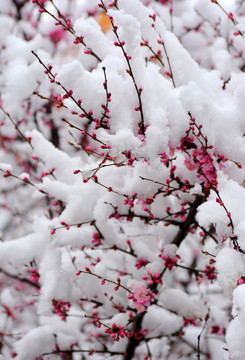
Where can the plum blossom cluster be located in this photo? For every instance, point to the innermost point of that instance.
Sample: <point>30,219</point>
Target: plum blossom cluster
<point>141,297</point>
<point>169,261</point>
<point>7,310</point>
<point>34,275</point>
<point>61,308</point>
<point>116,332</point>
<point>210,272</point>
<point>217,329</point>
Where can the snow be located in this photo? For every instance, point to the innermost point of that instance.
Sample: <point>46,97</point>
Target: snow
<point>161,321</point>
<point>230,265</point>
<point>5,167</point>
<point>235,339</point>
<point>182,304</point>
<point>113,167</point>
<point>94,38</point>
<point>21,250</point>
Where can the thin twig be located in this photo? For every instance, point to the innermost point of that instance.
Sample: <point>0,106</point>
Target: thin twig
<point>200,335</point>
<point>22,279</point>
<point>230,16</point>
<point>16,126</point>
<point>129,70</point>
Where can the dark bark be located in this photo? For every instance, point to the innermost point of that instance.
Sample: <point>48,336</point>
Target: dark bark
<point>181,235</point>
<point>67,356</point>
<point>184,229</point>
<point>55,139</point>
<point>134,342</point>
<point>18,5</point>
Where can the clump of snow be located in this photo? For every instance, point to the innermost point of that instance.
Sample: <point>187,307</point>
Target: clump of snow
<point>119,320</point>
<point>5,167</point>
<point>28,347</point>
<point>161,321</point>
<point>179,302</point>
<point>235,338</point>
<point>231,266</point>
